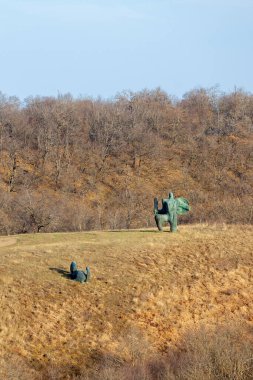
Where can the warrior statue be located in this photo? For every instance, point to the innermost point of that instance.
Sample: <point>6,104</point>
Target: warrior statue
<point>171,208</point>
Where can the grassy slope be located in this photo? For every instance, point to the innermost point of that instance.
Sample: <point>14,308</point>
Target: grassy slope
<point>161,283</point>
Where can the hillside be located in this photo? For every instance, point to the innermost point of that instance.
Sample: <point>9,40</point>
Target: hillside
<point>81,164</point>
<point>146,286</point>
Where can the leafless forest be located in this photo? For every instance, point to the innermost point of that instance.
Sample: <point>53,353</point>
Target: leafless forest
<point>79,164</point>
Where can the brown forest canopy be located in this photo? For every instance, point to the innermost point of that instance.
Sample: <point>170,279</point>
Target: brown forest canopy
<point>77,164</point>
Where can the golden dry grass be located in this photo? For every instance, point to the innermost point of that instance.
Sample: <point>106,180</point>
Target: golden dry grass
<point>158,283</point>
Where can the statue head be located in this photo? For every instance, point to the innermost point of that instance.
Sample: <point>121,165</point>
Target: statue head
<point>171,195</point>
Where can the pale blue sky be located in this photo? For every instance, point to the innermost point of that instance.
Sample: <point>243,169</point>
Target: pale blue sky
<point>101,47</point>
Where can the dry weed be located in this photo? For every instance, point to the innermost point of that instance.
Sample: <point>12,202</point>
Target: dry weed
<point>158,283</point>
<point>134,346</point>
<point>14,367</point>
<point>223,353</point>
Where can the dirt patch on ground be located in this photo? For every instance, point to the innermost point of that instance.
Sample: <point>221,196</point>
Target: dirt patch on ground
<point>6,241</point>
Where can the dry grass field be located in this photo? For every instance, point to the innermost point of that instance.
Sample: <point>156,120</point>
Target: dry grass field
<point>145,286</point>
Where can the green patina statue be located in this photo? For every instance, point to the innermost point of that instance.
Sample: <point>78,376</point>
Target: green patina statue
<point>79,275</point>
<point>171,208</point>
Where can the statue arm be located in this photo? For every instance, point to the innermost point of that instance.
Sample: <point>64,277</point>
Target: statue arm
<point>155,206</point>
<point>182,206</point>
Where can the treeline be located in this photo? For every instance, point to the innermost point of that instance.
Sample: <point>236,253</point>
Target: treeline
<point>77,164</point>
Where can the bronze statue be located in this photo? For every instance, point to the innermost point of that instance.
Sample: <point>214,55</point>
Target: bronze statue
<point>171,208</point>
<point>79,275</point>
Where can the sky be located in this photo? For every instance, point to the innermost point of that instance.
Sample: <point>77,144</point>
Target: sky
<point>98,48</point>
